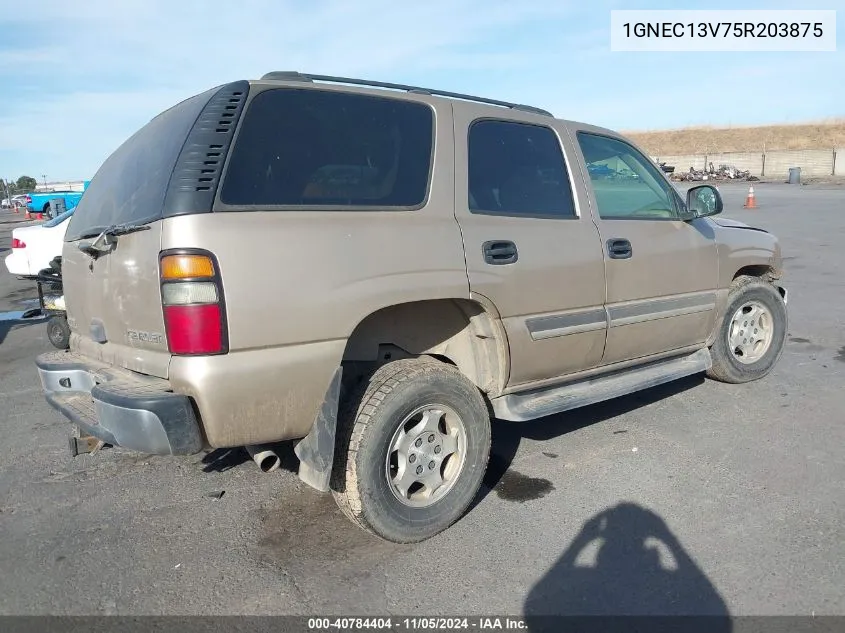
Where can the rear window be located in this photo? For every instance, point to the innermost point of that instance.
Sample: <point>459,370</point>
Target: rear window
<point>131,184</point>
<point>316,148</point>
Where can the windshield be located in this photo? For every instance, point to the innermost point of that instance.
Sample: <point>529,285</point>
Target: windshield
<point>59,219</point>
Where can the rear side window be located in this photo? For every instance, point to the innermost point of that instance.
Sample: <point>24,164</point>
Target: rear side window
<point>316,148</point>
<point>517,169</point>
<point>130,186</point>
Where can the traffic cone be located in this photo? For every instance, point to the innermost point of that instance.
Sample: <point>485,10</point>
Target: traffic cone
<point>750,202</point>
<point>39,216</point>
<point>28,215</point>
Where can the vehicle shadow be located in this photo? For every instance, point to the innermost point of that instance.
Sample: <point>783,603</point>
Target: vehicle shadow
<point>625,561</point>
<point>7,325</point>
<point>508,435</point>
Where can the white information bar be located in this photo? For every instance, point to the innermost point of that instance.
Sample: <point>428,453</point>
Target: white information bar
<point>723,30</point>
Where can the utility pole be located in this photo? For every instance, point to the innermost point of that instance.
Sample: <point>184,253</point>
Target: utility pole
<point>44,176</point>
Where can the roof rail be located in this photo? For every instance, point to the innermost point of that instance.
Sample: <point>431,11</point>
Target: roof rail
<point>292,75</point>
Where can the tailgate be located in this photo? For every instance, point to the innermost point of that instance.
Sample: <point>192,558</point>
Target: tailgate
<point>114,303</point>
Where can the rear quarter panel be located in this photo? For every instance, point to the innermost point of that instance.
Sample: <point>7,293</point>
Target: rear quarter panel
<point>296,284</point>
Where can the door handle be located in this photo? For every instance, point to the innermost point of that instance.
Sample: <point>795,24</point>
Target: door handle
<point>619,248</point>
<point>499,252</point>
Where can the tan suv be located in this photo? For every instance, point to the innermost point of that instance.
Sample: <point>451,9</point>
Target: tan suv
<point>376,270</point>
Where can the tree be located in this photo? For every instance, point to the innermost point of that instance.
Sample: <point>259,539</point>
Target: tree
<point>26,184</point>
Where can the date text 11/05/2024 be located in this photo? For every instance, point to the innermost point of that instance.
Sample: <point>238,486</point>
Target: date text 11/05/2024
<point>417,624</point>
<point>724,29</point>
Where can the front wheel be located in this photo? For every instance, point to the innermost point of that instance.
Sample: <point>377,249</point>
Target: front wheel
<point>412,450</point>
<point>752,334</point>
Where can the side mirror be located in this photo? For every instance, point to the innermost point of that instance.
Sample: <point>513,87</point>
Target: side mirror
<point>704,200</point>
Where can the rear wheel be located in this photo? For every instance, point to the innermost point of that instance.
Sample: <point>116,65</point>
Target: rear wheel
<point>58,332</point>
<point>752,334</point>
<point>412,450</point>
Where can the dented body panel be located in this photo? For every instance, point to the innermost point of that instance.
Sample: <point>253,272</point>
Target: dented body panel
<point>114,305</point>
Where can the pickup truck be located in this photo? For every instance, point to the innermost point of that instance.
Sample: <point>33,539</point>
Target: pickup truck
<point>40,201</point>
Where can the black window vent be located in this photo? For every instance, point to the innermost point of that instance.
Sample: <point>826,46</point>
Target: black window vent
<point>197,172</point>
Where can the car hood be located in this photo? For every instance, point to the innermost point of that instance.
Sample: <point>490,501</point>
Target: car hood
<point>735,224</point>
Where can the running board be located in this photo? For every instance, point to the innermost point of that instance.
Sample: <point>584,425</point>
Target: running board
<point>521,407</point>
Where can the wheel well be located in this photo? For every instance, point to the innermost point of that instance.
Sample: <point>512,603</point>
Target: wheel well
<point>756,270</point>
<point>456,331</point>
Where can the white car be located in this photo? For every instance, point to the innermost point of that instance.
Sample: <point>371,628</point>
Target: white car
<point>34,247</point>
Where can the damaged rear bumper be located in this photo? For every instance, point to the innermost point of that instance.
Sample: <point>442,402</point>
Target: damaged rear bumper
<point>119,407</point>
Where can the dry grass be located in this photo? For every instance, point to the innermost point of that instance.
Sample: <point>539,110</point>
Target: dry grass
<point>700,140</point>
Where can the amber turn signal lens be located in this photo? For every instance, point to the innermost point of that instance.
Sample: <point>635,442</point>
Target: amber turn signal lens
<point>186,266</point>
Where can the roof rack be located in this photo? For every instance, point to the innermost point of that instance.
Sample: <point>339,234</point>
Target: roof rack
<point>292,75</point>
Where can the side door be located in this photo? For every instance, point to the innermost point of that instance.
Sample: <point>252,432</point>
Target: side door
<point>531,248</point>
<point>662,272</point>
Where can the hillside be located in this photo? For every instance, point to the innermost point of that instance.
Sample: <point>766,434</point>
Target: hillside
<point>700,140</point>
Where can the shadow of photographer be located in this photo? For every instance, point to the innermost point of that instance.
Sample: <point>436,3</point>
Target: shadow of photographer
<point>626,562</point>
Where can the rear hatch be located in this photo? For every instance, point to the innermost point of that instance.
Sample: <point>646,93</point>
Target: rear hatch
<point>113,297</point>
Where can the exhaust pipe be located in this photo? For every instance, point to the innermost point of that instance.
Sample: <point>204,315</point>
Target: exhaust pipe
<point>265,457</point>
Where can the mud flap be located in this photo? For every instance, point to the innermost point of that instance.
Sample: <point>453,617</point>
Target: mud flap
<point>316,450</point>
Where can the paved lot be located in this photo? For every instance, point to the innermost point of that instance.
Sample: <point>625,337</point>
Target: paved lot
<point>739,490</point>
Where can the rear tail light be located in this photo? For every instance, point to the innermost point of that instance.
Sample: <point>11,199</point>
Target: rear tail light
<point>16,243</point>
<point>192,299</point>
<point>29,199</point>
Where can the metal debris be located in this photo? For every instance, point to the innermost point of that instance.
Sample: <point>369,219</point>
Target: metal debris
<point>724,172</point>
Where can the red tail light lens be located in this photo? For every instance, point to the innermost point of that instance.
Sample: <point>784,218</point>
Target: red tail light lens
<point>16,243</point>
<point>194,329</point>
<point>192,299</point>
<point>29,199</point>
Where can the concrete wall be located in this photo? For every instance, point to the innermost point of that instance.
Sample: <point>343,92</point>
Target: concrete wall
<point>815,162</point>
<point>772,164</point>
<point>66,185</point>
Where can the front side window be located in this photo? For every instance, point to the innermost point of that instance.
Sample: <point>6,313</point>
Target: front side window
<point>310,148</point>
<point>626,184</point>
<point>517,169</point>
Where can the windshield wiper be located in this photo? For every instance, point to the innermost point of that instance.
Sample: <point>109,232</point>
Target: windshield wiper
<point>103,244</point>
<point>115,230</point>
<point>124,229</point>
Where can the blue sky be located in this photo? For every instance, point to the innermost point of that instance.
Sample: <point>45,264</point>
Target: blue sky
<point>79,76</point>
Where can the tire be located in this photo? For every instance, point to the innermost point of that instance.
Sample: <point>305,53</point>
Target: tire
<point>727,366</point>
<point>58,332</point>
<point>368,428</point>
